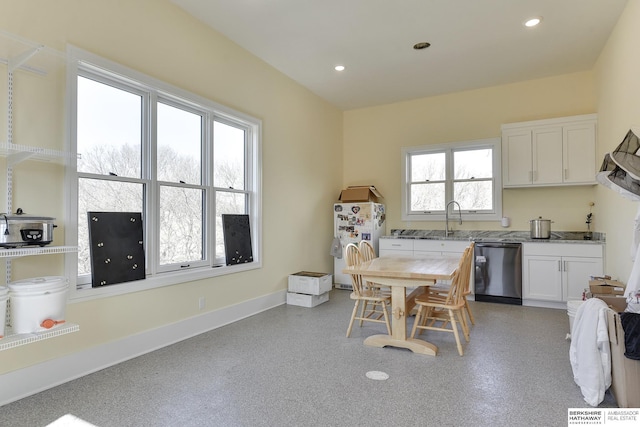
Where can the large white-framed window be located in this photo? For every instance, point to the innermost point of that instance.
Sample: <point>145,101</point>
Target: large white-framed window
<point>179,159</point>
<point>468,172</point>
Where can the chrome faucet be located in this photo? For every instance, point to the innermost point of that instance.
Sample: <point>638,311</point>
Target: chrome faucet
<point>447,232</point>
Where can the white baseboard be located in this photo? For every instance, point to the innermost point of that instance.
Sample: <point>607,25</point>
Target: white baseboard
<point>33,379</point>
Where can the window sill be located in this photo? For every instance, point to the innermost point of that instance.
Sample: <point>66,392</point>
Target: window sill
<point>164,279</point>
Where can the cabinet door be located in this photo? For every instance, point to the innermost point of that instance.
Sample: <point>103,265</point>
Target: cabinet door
<point>576,273</point>
<point>547,155</point>
<point>395,253</point>
<point>542,278</point>
<point>516,157</point>
<point>427,254</point>
<point>579,153</point>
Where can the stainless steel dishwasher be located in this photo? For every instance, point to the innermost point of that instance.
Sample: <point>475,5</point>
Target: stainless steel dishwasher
<point>498,272</point>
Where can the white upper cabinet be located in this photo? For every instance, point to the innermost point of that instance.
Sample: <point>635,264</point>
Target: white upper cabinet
<point>550,152</point>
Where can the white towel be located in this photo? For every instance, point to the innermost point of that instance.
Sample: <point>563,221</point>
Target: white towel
<point>632,292</point>
<point>589,352</point>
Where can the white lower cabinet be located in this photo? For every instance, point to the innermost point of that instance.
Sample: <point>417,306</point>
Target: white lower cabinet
<point>559,272</point>
<point>421,247</point>
<point>439,247</point>
<point>396,247</point>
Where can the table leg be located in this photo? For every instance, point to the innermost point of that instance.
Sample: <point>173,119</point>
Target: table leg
<point>398,336</point>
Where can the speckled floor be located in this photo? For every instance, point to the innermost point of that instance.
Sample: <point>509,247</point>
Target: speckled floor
<point>293,366</point>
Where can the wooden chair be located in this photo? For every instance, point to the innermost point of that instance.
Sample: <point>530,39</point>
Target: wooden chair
<point>443,289</point>
<point>367,253</point>
<point>436,311</point>
<point>374,304</point>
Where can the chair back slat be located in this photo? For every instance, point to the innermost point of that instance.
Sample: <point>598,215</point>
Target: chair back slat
<point>460,281</point>
<point>366,251</point>
<point>463,275</point>
<point>352,258</point>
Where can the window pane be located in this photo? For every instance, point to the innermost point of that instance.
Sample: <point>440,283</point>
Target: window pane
<point>427,197</point>
<point>105,196</point>
<point>181,219</point>
<point>228,156</point>
<point>109,129</point>
<point>470,164</point>
<point>179,145</point>
<point>227,203</point>
<point>474,195</point>
<point>428,167</point>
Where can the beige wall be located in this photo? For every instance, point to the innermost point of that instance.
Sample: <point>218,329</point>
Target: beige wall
<point>302,143</point>
<point>618,84</point>
<point>305,160</point>
<point>374,136</point>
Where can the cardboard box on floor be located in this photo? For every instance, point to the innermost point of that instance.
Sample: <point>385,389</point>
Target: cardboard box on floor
<point>360,193</point>
<point>617,303</point>
<point>625,372</point>
<point>606,286</point>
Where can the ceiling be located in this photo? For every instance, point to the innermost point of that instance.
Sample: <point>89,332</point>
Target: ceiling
<point>474,43</point>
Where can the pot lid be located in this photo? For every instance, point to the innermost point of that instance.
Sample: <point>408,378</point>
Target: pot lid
<point>20,215</point>
<point>539,219</point>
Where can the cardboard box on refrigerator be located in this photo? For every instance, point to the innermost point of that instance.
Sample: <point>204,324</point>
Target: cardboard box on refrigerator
<point>625,372</point>
<point>307,282</point>
<point>360,193</point>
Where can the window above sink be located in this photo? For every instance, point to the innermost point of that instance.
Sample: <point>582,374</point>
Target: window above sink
<point>468,172</point>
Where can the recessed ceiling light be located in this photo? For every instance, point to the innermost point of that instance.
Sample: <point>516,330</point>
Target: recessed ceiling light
<point>532,22</point>
<point>339,68</point>
<point>421,45</point>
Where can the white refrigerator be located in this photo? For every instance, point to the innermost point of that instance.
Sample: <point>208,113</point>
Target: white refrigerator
<point>353,222</point>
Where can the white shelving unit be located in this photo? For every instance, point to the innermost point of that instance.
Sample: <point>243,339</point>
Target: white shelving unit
<point>16,340</point>
<point>21,55</point>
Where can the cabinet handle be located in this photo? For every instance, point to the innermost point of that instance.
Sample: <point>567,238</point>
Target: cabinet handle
<point>564,267</point>
<point>566,174</point>
<point>559,265</point>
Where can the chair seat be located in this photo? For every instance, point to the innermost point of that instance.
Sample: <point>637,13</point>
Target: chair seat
<point>443,289</point>
<point>438,301</point>
<point>371,295</point>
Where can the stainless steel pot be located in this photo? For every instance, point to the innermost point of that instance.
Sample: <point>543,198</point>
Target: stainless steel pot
<point>540,228</point>
<point>25,230</point>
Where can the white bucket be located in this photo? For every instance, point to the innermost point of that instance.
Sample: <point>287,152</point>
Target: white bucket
<point>572,309</point>
<point>4,296</point>
<point>38,304</point>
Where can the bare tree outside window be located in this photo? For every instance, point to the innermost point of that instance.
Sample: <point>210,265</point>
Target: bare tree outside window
<point>469,182</point>
<point>113,179</point>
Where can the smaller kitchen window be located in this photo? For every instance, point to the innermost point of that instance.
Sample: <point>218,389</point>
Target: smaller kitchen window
<point>467,172</point>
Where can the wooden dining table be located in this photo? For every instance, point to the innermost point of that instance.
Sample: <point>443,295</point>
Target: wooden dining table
<point>400,274</point>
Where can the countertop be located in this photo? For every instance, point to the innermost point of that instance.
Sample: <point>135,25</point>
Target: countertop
<point>496,236</point>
